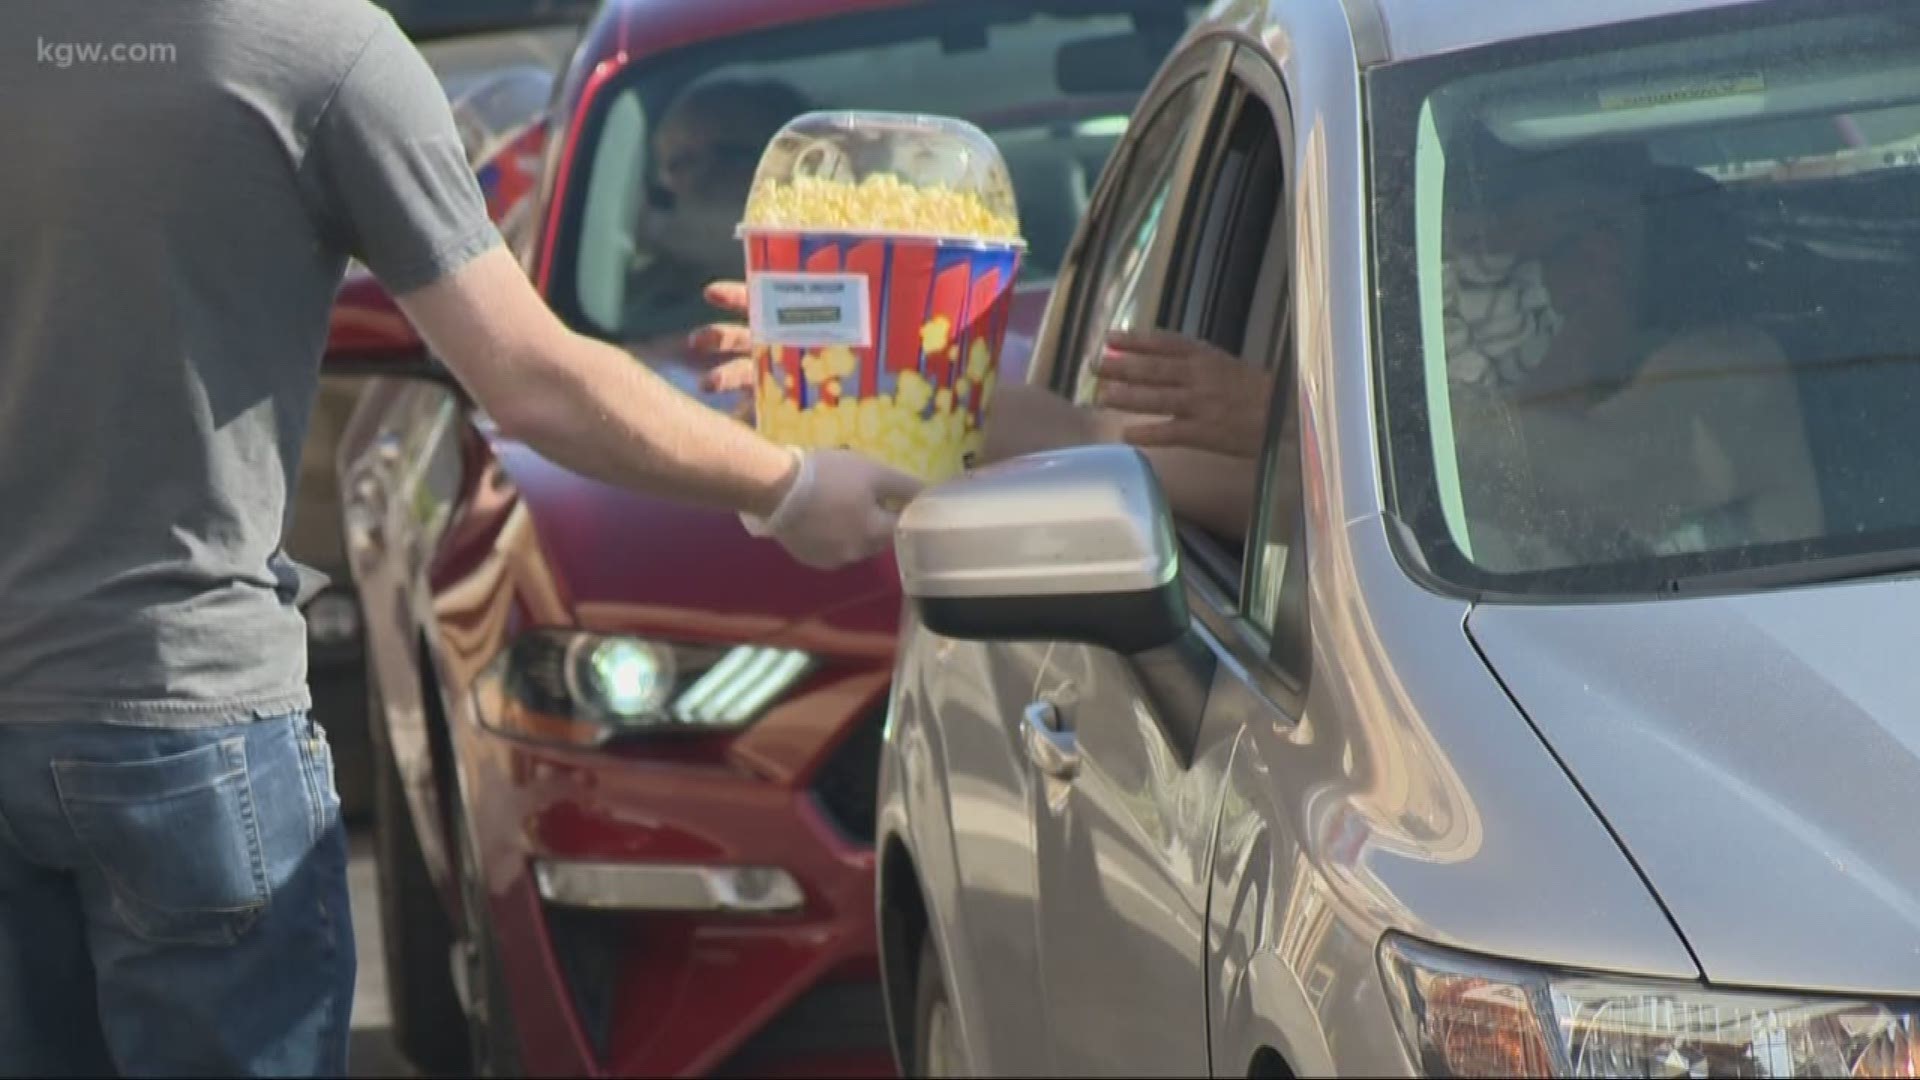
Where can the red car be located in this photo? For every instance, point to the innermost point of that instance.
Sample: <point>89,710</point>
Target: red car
<point>626,754</point>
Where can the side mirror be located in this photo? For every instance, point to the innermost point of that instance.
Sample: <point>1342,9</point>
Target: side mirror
<point>1075,545</point>
<point>369,335</point>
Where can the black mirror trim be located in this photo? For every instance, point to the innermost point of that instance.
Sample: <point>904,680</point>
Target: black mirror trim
<point>1128,623</point>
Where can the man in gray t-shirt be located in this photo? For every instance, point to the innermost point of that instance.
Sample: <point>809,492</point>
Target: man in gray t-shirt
<point>175,219</point>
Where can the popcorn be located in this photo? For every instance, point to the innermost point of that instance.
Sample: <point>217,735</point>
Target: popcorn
<point>978,358</point>
<point>939,253</point>
<point>932,443</point>
<point>934,335</point>
<point>914,392</point>
<point>840,360</point>
<point>880,203</point>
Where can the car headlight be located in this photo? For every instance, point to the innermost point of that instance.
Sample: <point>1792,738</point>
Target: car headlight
<point>582,688</point>
<point>1462,1016</point>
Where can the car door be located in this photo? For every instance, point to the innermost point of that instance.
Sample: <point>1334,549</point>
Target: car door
<point>981,689</point>
<point>1129,767</point>
<point>401,470</point>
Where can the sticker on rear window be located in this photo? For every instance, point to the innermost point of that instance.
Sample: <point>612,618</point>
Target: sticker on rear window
<point>1682,91</point>
<point>810,311</point>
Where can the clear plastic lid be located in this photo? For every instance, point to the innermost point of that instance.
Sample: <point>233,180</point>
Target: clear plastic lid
<point>876,172</point>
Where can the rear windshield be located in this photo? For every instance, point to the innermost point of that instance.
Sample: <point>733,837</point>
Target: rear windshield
<point>1649,299</point>
<point>669,154</point>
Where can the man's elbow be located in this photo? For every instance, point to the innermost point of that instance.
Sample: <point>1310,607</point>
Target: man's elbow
<point>515,382</point>
<point>521,416</point>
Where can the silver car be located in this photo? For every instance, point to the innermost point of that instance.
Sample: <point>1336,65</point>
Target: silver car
<point>1557,710</point>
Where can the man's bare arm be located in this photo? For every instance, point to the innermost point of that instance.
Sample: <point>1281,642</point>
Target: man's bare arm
<point>594,409</point>
<point>587,405</point>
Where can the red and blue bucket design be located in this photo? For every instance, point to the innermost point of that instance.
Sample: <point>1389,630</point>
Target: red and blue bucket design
<point>937,312</point>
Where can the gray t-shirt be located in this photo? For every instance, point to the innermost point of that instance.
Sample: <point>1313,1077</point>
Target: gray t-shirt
<point>184,183</point>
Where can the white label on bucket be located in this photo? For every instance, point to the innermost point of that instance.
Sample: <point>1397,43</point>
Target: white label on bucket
<point>810,311</point>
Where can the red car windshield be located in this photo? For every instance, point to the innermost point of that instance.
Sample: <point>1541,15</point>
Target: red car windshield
<point>669,155</point>
<point>425,20</point>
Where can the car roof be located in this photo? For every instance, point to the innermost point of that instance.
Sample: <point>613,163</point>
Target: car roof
<point>1416,28</point>
<point>1390,30</point>
<point>655,26</point>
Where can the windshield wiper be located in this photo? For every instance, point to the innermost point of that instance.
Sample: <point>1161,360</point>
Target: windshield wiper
<point>1837,568</point>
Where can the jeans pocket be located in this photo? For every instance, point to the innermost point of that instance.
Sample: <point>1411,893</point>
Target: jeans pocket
<point>316,764</point>
<point>176,838</point>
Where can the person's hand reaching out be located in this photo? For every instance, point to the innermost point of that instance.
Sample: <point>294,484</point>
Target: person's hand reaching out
<point>730,344</point>
<point>1206,399</point>
<point>842,506</point>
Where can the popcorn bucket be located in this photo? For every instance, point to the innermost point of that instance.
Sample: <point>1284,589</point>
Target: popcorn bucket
<point>888,345</point>
<point>881,255</point>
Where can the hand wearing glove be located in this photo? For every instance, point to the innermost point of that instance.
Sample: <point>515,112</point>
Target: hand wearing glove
<point>842,506</point>
<point>840,509</point>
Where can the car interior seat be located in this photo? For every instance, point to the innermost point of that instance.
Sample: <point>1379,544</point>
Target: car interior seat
<point>1842,286</point>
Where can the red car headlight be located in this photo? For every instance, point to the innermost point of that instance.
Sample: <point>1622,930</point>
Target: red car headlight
<point>583,688</point>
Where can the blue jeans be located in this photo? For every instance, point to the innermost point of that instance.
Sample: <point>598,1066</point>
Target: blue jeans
<point>173,902</point>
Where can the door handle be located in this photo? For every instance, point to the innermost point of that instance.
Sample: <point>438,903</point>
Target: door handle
<point>1052,749</point>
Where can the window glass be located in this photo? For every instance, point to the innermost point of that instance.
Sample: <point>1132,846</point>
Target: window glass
<point>1242,303</point>
<point>1231,258</point>
<point>1139,208</point>
<point>1646,299</point>
<point>672,155</point>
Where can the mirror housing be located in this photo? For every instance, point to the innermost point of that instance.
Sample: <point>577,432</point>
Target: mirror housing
<point>1074,545</point>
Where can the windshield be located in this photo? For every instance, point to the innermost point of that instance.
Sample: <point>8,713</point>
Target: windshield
<point>1650,299</point>
<point>670,156</point>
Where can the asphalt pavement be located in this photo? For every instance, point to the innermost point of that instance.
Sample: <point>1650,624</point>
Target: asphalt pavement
<point>372,1052</point>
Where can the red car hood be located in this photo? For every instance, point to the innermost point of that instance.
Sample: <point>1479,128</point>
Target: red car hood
<point>641,564</point>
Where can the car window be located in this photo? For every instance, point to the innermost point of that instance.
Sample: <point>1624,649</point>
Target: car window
<point>1240,299</point>
<point>670,154</point>
<point>1139,209</point>
<point>1646,301</point>
<point>1228,284</point>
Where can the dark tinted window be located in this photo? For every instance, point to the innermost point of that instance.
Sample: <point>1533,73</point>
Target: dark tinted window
<point>1646,299</point>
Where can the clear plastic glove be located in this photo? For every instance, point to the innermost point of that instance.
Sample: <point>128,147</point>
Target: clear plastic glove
<point>841,509</point>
